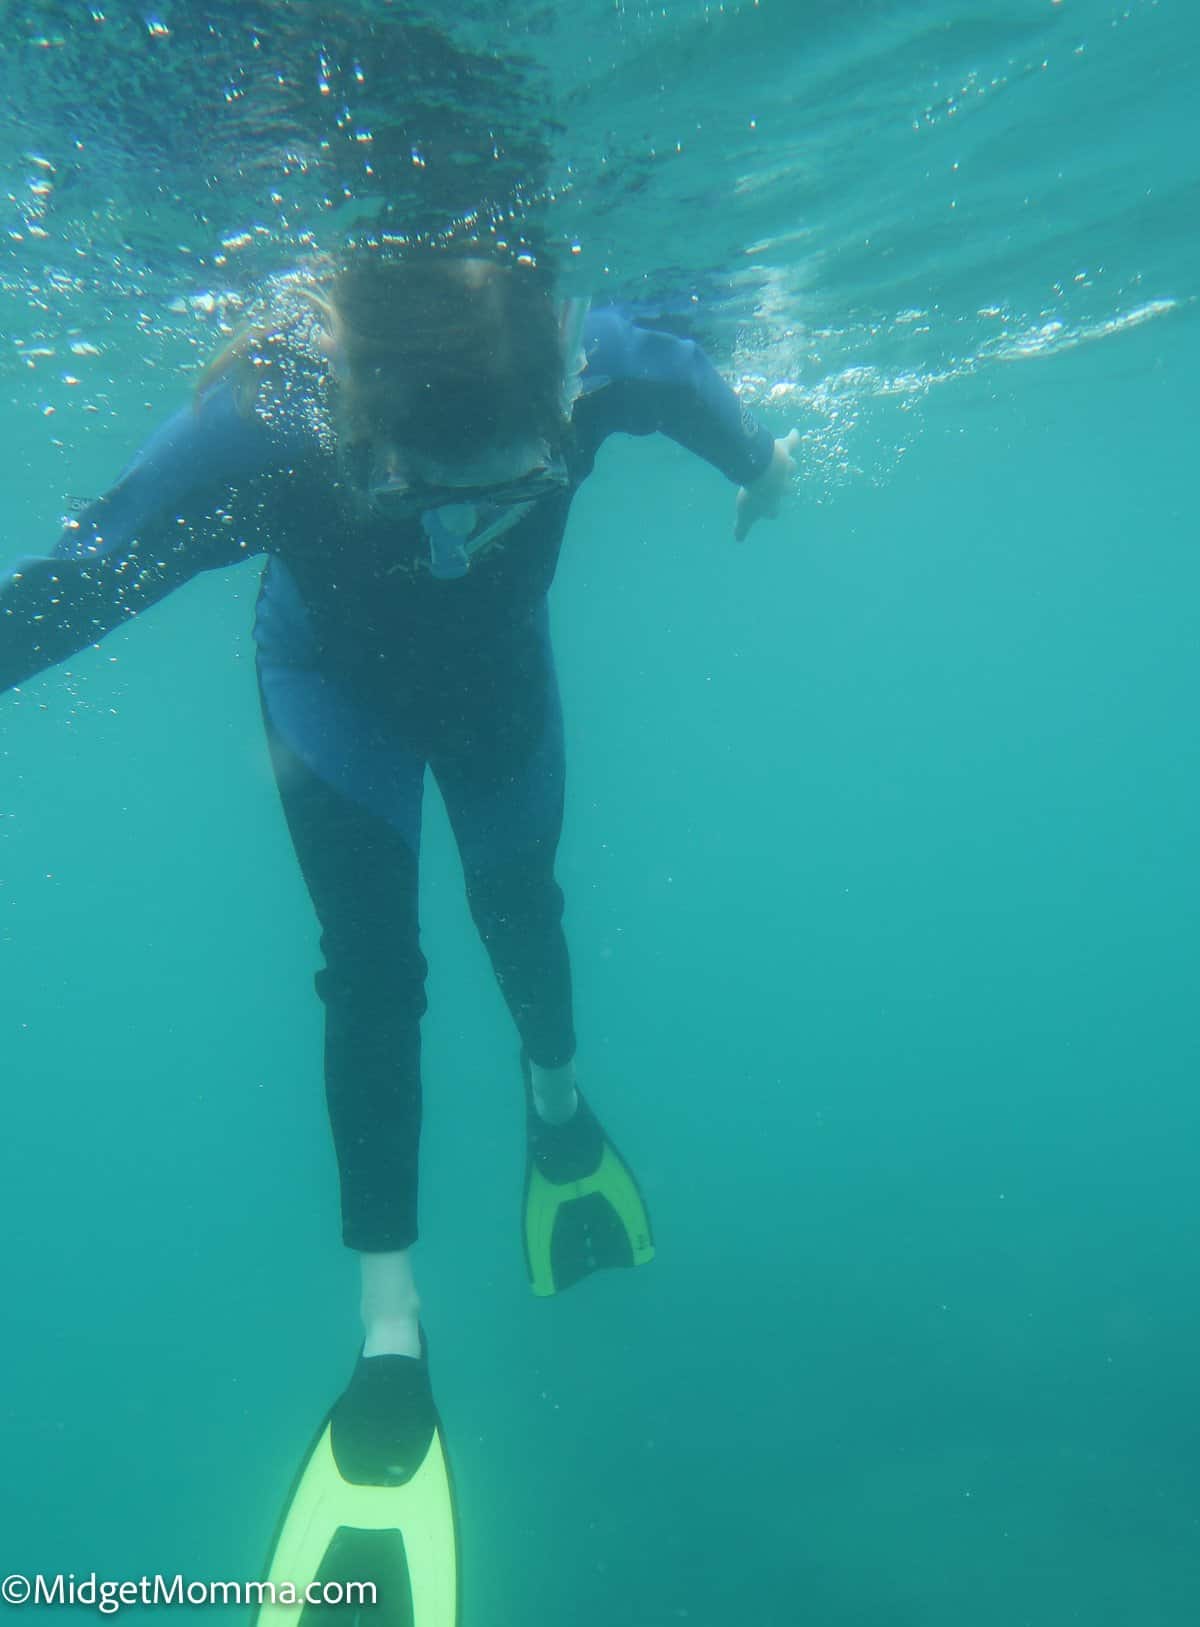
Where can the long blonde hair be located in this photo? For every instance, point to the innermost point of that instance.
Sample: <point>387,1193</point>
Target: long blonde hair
<point>248,357</point>
<point>437,353</point>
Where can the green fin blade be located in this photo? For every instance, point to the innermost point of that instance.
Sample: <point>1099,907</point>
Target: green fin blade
<point>583,1210</point>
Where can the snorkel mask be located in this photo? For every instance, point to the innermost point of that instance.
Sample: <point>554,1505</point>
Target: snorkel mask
<point>459,520</point>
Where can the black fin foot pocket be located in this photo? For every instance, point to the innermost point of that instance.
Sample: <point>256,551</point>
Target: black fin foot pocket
<point>383,1422</point>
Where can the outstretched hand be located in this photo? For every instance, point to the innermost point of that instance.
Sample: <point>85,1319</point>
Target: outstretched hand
<point>760,500</point>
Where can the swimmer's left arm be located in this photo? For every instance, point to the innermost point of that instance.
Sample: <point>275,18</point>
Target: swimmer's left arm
<point>640,381</point>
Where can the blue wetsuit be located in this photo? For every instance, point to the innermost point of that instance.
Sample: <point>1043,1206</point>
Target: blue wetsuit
<point>371,668</point>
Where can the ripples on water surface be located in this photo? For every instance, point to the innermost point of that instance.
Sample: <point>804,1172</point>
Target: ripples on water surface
<point>851,203</point>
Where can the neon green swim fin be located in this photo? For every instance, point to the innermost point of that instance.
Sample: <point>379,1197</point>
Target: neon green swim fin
<point>373,1504</point>
<point>583,1211</point>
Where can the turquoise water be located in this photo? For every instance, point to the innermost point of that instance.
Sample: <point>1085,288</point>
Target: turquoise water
<point>879,856</point>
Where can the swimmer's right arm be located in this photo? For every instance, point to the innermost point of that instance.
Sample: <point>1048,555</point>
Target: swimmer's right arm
<point>152,532</point>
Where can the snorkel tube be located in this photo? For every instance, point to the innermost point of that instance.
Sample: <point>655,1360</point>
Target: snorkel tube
<point>572,314</point>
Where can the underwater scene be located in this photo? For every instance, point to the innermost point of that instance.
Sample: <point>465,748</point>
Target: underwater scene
<point>794,844</point>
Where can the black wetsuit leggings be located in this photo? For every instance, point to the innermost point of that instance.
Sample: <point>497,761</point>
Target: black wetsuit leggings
<point>501,778</point>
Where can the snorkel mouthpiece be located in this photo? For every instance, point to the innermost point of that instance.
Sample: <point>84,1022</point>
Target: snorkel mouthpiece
<point>447,529</point>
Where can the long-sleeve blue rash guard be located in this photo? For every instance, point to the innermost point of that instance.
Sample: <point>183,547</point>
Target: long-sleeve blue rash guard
<point>347,592</point>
